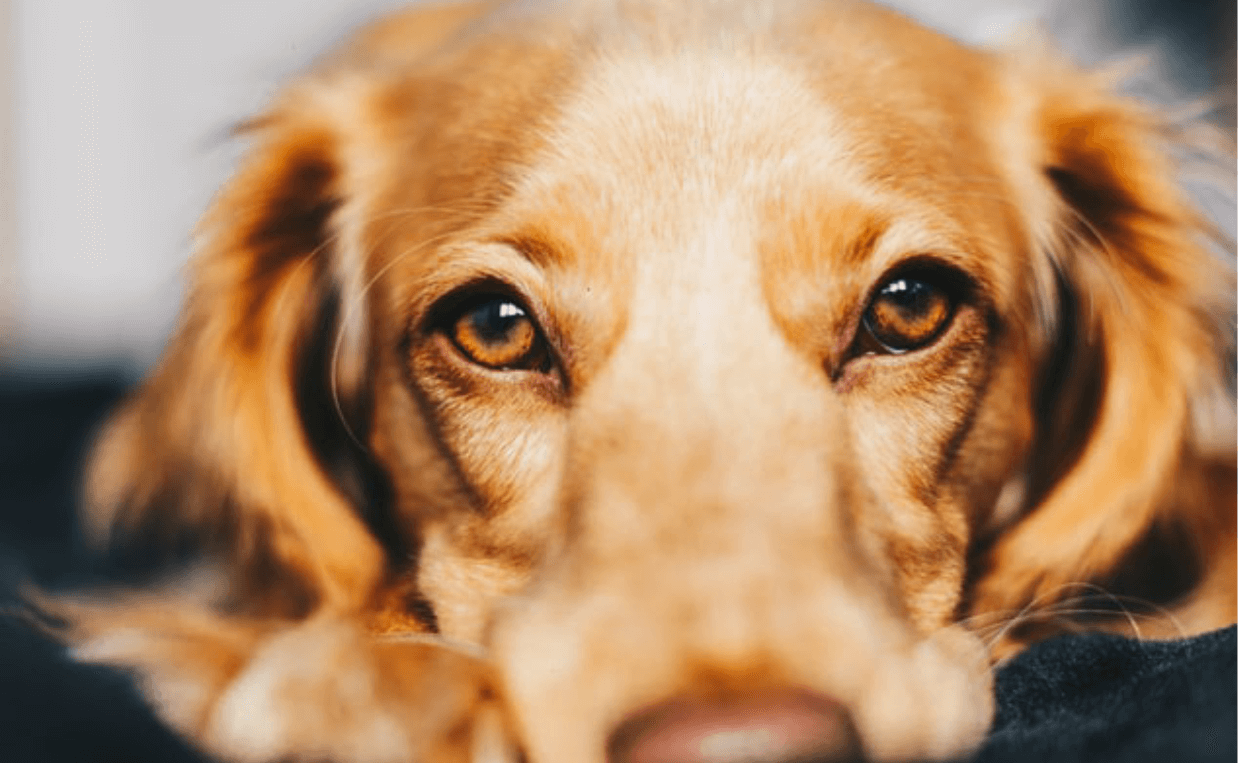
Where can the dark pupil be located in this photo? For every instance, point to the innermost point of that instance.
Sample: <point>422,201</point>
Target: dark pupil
<point>493,322</point>
<point>911,298</point>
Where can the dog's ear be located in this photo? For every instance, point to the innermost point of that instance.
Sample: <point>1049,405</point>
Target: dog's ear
<point>1144,321</point>
<point>248,438</point>
<point>235,438</point>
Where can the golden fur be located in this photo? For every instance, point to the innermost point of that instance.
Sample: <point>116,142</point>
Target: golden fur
<point>711,487</point>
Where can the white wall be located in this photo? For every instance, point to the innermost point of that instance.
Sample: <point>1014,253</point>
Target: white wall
<point>8,185</point>
<point>123,113</point>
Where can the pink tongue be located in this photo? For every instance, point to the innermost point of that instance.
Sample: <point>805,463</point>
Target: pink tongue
<point>761,727</point>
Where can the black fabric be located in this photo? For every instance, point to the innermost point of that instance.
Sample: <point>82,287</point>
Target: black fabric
<point>53,710</point>
<point>56,711</point>
<point>1097,698</point>
<point>1093,698</point>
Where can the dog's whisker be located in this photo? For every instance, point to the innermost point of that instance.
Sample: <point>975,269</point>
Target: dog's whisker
<point>355,305</point>
<point>1059,611</point>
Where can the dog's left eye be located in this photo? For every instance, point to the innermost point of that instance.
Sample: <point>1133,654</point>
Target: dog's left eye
<point>907,313</point>
<point>497,332</point>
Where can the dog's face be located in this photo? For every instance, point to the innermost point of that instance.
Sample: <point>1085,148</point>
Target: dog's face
<point>695,355</point>
<point>735,368</point>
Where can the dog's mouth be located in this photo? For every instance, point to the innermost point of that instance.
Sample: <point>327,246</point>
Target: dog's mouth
<point>785,726</point>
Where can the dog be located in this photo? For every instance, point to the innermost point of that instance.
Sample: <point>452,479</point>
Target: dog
<point>638,382</point>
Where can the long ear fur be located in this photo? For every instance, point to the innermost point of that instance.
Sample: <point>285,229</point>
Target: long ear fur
<point>224,440</point>
<point>248,436</point>
<point>1145,325</point>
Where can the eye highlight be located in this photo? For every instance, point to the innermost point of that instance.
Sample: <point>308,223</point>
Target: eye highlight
<point>907,313</point>
<point>497,332</point>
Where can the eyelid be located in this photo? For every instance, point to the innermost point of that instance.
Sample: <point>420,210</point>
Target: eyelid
<point>473,266</point>
<point>449,303</point>
<point>454,305</point>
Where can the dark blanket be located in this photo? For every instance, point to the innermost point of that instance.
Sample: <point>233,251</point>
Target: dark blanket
<point>1093,698</point>
<point>1103,699</point>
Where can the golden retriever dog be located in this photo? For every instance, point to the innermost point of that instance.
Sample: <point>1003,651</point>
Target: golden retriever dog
<point>642,382</point>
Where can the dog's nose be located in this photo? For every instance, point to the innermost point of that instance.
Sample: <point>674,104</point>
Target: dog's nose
<point>766,727</point>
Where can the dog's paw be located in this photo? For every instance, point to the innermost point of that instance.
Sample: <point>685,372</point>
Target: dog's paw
<point>326,690</point>
<point>323,689</point>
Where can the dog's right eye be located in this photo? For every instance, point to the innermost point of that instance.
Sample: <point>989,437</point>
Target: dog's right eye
<point>497,332</point>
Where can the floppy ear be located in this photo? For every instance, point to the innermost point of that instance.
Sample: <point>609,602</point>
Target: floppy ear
<point>237,440</point>
<point>248,437</point>
<point>1144,324</point>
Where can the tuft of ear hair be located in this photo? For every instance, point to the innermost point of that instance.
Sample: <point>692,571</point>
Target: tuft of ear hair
<point>1144,332</point>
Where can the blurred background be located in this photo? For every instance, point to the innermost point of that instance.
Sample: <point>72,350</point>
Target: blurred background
<point>115,119</point>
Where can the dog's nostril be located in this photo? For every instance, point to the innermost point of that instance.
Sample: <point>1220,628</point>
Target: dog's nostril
<point>766,727</point>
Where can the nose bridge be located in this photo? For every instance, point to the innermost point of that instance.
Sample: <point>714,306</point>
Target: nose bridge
<point>707,484</point>
<point>706,422</point>
<point>673,439</point>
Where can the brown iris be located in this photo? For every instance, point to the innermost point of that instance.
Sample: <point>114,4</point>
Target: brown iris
<point>907,313</point>
<point>497,332</point>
